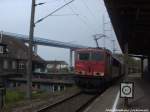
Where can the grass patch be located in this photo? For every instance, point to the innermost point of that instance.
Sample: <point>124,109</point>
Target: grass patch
<point>13,96</point>
<point>38,94</point>
<point>16,98</point>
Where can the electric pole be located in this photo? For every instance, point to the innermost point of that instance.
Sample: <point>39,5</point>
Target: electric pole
<point>30,49</point>
<point>30,52</point>
<point>104,29</point>
<point>113,46</point>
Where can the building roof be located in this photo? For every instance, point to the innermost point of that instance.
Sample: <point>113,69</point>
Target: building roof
<point>17,49</point>
<point>56,62</point>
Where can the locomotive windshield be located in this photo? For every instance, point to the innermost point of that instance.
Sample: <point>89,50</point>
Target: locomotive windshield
<point>84,56</point>
<point>97,56</point>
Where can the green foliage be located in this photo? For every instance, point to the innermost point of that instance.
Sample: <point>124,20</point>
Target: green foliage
<point>13,96</point>
<point>37,94</point>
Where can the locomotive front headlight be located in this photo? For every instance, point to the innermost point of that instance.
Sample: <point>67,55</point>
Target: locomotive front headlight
<point>102,74</point>
<point>83,72</point>
<point>96,74</point>
<point>78,72</point>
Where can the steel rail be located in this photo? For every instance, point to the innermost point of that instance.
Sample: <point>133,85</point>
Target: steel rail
<point>58,103</point>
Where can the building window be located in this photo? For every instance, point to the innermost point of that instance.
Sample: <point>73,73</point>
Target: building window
<point>5,64</point>
<point>33,85</point>
<point>13,65</point>
<point>38,86</point>
<point>14,84</point>
<point>18,84</point>
<point>21,66</point>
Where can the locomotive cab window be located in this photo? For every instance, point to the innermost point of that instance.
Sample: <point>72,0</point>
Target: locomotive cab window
<point>84,56</point>
<point>97,56</point>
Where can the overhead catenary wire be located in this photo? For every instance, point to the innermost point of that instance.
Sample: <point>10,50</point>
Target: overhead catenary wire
<point>89,10</point>
<point>70,7</point>
<point>65,15</point>
<point>51,1</point>
<point>80,18</point>
<point>85,4</point>
<point>53,12</point>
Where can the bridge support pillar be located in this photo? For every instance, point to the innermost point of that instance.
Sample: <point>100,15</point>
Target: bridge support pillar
<point>35,48</point>
<point>70,63</point>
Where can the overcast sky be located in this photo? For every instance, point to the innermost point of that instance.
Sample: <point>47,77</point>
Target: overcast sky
<point>85,20</point>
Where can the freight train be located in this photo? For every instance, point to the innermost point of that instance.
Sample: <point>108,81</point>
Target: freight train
<point>95,67</point>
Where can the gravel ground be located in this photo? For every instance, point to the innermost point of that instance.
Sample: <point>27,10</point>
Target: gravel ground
<point>71,105</point>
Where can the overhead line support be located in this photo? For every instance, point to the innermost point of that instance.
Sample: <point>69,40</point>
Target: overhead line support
<point>30,52</point>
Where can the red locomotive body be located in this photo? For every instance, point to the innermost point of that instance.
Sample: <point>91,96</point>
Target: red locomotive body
<point>94,67</point>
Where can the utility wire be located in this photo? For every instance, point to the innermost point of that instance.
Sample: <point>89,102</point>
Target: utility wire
<point>41,3</point>
<point>65,15</point>
<point>85,4</point>
<point>86,18</point>
<point>51,1</point>
<point>53,12</point>
<point>80,18</point>
<point>70,7</point>
<point>87,7</point>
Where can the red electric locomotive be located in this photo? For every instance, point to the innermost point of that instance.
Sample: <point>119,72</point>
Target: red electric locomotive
<point>94,67</point>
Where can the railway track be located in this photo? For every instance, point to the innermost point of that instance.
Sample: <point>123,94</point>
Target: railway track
<point>76,103</point>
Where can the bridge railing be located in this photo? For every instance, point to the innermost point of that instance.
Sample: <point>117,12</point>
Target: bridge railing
<point>43,41</point>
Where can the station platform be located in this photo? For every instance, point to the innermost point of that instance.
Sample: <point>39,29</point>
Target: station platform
<point>110,100</point>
